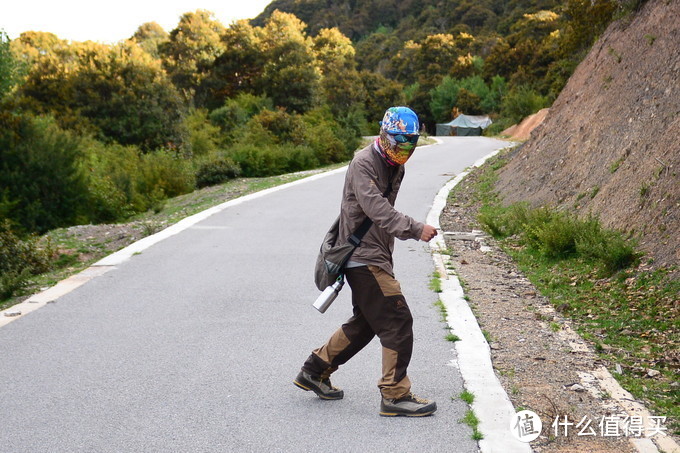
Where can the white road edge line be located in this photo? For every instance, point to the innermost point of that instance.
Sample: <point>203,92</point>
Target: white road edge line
<point>109,262</point>
<point>491,405</point>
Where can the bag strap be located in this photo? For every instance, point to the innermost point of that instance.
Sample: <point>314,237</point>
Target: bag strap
<point>356,237</point>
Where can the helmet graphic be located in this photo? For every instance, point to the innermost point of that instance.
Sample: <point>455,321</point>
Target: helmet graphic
<point>400,120</point>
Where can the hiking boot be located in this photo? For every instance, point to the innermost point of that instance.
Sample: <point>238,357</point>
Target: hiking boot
<point>409,406</point>
<point>322,387</point>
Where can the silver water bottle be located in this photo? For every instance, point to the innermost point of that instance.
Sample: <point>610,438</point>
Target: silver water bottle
<point>328,295</point>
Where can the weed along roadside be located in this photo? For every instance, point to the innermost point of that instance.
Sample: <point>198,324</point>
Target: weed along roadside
<point>565,304</point>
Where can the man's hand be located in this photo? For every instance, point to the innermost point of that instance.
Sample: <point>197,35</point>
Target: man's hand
<point>428,233</point>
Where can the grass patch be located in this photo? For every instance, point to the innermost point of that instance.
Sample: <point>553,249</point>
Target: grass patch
<point>452,337</point>
<point>442,310</point>
<point>472,421</point>
<point>466,396</point>
<point>436,283</point>
<point>628,311</point>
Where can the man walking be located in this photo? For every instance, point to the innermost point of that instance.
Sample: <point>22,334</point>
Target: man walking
<point>379,308</point>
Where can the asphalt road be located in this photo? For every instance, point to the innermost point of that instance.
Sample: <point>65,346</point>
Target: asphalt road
<point>192,345</point>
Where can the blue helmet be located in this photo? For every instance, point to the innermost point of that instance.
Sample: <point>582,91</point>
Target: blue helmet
<point>400,120</point>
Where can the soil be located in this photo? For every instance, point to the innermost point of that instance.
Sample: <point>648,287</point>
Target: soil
<point>537,366</point>
<point>522,131</point>
<point>609,145</point>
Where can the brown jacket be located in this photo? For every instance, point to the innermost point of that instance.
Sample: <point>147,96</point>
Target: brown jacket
<point>367,178</point>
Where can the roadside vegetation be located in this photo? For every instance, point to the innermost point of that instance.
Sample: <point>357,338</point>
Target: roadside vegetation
<point>624,306</point>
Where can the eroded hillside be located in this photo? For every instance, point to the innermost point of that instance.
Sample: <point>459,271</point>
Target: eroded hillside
<point>611,142</point>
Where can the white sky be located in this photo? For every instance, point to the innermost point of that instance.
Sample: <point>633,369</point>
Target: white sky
<point>112,21</point>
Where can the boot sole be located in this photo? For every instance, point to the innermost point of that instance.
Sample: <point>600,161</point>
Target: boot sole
<point>402,414</point>
<point>320,395</point>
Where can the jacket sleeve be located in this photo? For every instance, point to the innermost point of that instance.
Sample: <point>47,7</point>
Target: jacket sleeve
<point>378,209</point>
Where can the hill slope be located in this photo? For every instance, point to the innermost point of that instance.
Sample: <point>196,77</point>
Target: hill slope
<point>611,142</point>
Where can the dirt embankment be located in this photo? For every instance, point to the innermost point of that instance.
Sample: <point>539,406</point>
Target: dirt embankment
<point>523,130</point>
<point>610,144</point>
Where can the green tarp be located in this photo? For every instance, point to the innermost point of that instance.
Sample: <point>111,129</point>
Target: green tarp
<point>464,125</point>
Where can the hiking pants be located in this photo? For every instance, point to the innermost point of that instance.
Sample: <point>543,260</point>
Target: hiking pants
<point>379,309</point>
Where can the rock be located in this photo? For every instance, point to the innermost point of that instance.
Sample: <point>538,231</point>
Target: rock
<point>575,387</point>
<point>653,373</point>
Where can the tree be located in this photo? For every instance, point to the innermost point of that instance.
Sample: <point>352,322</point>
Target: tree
<point>381,93</point>
<point>341,82</point>
<point>333,51</point>
<point>150,36</point>
<point>238,68</point>
<point>10,69</point>
<point>191,50</point>
<point>128,98</point>
<point>118,93</point>
<point>290,76</point>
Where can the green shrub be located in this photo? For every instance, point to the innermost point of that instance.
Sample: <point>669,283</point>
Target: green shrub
<point>495,220</point>
<point>332,140</point>
<point>237,112</point>
<point>521,102</point>
<point>285,127</point>
<point>123,181</point>
<point>498,126</point>
<point>20,259</point>
<point>203,135</point>
<point>275,142</point>
<point>271,160</point>
<point>606,246</point>
<point>167,174</point>
<point>216,170</point>
<point>41,179</point>
<point>557,235</point>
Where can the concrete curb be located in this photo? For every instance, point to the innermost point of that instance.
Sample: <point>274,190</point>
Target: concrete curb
<point>491,405</point>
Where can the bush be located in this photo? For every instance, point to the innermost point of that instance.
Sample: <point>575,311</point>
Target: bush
<point>237,112</point>
<point>332,140</point>
<point>216,170</point>
<point>553,233</point>
<point>559,235</point>
<point>124,181</point>
<point>271,160</point>
<point>19,259</point>
<point>608,247</point>
<point>521,102</point>
<point>275,142</point>
<point>498,126</point>
<point>167,174</point>
<point>203,135</point>
<point>41,180</point>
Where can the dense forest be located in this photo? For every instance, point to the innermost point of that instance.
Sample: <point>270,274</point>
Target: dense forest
<point>92,132</point>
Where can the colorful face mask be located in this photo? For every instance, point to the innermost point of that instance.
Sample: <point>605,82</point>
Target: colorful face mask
<point>397,148</point>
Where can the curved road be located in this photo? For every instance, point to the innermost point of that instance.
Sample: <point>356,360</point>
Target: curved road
<point>193,344</point>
